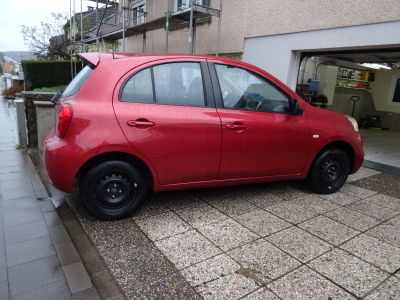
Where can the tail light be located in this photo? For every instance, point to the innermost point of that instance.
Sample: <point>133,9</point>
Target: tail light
<point>64,120</point>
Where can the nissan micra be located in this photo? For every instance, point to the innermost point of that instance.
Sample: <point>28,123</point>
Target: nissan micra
<point>128,124</point>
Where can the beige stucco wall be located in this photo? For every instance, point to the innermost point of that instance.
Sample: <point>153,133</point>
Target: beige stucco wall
<point>251,18</point>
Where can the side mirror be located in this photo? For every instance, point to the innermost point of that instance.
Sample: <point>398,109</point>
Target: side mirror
<point>296,108</point>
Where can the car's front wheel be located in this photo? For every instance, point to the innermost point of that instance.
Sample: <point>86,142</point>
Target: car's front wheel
<point>113,190</point>
<point>329,172</point>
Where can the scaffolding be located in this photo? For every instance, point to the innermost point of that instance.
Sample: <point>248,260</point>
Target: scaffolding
<point>118,19</point>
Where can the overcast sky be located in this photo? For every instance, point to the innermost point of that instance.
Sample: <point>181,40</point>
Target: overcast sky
<point>14,13</point>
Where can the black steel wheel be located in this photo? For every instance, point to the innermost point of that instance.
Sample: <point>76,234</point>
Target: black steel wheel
<point>329,171</point>
<point>113,190</point>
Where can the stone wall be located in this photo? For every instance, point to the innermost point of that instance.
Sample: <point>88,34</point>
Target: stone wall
<point>30,112</point>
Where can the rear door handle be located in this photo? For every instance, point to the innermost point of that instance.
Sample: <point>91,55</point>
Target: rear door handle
<point>141,123</point>
<point>236,126</point>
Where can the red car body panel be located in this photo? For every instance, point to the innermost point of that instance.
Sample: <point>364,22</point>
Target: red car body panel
<point>189,147</point>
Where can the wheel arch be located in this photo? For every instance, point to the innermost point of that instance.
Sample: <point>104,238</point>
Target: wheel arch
<point>342,145</point>
<point>121,156</point>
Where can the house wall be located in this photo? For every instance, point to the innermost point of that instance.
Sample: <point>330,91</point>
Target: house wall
<point>7,67</point>
<point>254,18</point>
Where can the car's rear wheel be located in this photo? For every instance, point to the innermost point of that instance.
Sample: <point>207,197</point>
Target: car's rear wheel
<point>329,172</point>
<point>113,190</point>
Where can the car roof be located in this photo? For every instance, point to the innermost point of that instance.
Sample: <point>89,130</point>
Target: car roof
<point>95,57</point>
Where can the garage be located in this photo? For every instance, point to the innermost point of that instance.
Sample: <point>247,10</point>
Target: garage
<point>352,70</point>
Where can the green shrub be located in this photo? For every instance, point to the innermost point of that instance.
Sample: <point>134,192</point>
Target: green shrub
<point>42,73</point>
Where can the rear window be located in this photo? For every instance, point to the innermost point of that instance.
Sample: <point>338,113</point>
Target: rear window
<point>78,81</point>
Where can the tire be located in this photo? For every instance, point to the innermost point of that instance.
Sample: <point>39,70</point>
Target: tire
<point>113,190</point>
<point>329,171</point>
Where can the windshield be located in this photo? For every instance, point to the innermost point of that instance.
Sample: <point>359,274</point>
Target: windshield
<point>78,81</point>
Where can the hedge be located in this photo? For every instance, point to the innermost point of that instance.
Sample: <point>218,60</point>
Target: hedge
<point>48,73</point>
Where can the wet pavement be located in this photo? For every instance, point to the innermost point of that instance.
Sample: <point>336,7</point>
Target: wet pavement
<point>36,255</point>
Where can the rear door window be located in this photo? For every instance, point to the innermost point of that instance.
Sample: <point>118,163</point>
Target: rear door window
<point>76,83</point>
<point>138,88</point>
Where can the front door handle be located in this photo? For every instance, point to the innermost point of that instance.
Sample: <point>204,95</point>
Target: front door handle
<point>141,123</point>
<point>236,126</point>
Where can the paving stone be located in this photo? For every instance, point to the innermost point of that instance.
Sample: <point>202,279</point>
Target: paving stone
<point>389,290</point>
<point>386,201</point>
<point>106,286</point>
<point>261,222</point>
<point>362,173</point>
<point>261,294</point>
<point>213,193</point>
<point>356,191</point>
<point>3,269</point>
<point>4,294</point>
<point>34,274</point>
<point>51,218</point>
<point>20,176</point>
<point>286,192</point>
<point>348,271</point>
<point>374,251</point>
<point>24,232</point>
<point>340,198</point>
<point>22,216</point>
<point>232,286</point>
<point>20,204</point>
<point>210,269</point>
<point>373,210</point>
<point>18,193</point>
<point>46,205</point>
<point>89,294</point>
<point>150,207</point>
<point>54,291</point>
<point>291,212</point>
<point>187,248</point>
<point>179,199</point>
<point>227,234</point>
<point>30,250</point>
<point>200,215</point>
<point>67,253</point>
<point>261,198</point>
<point>299,243</point>
<point>11,169</point>
<point>329,230</point>
<point>394,221</point>
<point>58,234</point>
<point>386,233</point>
<point>232,205</point>
<point>67,216</point>
<point>2,244</point>
<point>263,261</point>
<point>352,218</point>
<point>315,204</point>
<point>304,283</point>
<point>77,278</point>
<point>93,262</point>
<point>162,226</point>
<point>41,194</point>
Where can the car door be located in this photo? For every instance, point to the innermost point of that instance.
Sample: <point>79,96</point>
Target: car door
<point>167,112</point>
<point>260,135</point>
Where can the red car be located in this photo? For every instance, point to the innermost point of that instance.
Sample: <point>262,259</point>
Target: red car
<point>130,123</point>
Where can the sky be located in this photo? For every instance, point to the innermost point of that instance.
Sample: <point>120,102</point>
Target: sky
<point>15,13</point>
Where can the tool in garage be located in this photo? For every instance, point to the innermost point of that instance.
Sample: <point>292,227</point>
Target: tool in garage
<point>354,99</point>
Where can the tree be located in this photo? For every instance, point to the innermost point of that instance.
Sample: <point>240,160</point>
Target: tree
<point>49,40</point>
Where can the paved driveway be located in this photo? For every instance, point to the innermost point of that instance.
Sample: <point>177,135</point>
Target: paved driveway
<point>264,241</point>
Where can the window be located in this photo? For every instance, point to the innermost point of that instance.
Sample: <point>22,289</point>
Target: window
<point>244,90</point>
<point>182,4</point>
<point>174,84</point>
<point>78,81</point>
<point>136,12</point>
<point>396,91</point>
<point>138,88</point>
<point>179,84</point>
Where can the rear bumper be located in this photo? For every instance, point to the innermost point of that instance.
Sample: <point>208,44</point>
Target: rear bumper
<point>63,159</point>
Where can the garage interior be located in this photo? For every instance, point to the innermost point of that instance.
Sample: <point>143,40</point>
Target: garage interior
<point>363,84</point>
